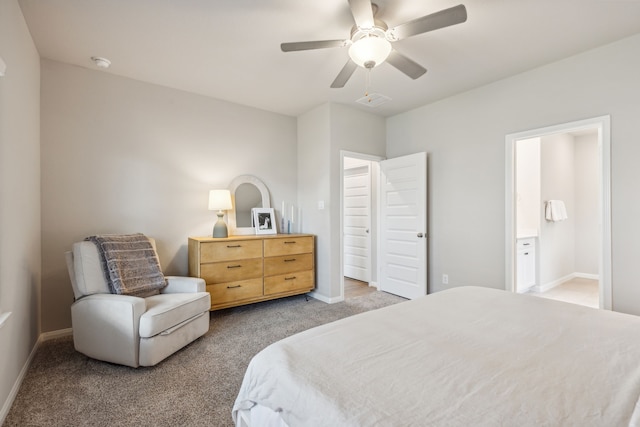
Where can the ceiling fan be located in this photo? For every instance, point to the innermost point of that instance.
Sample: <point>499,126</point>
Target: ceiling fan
<point>371,38</point>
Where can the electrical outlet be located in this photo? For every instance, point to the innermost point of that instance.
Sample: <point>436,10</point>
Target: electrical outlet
<point>445,279</point>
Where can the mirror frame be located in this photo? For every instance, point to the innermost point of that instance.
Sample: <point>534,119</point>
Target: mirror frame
<point>231,214</point>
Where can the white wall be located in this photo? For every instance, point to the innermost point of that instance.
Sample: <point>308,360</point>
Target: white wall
<point>121,156</point>
<point>19,199</point>
<point>528,200</point>
<point>587,243</point>
<point>356,131</point>
<point>322,134</point>
<point>465,138</point>
<point>314,135</point>
<point>556,248</point>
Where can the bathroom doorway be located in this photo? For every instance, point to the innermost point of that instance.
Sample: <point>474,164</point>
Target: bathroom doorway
<point>545,252</point>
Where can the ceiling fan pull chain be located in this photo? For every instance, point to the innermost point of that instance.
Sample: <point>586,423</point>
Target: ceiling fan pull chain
<point>367,84</point>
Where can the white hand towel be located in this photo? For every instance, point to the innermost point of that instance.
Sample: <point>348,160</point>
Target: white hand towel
<point>555,210</point>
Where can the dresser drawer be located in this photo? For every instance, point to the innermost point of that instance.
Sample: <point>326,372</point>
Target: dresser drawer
<point>231,271</point>
<point>288,246</point>
<point>230,250</point>
<point>287,264</point>
<point>238,269</point>
<point>222,293</point>
<point>300,280</point>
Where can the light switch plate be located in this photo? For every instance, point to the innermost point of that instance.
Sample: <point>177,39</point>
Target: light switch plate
<point>3,67</point>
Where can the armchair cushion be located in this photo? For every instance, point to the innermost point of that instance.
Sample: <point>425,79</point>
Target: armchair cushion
<point>87,270</point>
<point>165,311</point>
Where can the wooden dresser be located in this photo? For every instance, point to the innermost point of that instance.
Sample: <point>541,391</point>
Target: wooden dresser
<point>246,269</point>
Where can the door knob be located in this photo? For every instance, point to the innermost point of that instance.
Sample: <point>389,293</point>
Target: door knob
<point>366,231</point>
<point>419,234</point>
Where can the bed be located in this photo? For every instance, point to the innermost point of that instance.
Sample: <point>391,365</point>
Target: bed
<point>460,357</point>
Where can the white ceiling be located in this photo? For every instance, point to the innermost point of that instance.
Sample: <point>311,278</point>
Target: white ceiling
<point>230,49</point>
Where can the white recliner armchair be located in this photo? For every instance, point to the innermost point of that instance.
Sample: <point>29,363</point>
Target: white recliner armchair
<point>130,330</point>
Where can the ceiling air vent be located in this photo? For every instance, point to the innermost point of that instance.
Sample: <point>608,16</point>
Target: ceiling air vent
<point>373,100</point>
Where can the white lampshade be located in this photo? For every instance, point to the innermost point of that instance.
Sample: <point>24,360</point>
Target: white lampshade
<point>219,200</point>
<point>370,48</point>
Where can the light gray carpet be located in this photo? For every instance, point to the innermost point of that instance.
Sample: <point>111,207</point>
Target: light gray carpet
<point>194,387</point>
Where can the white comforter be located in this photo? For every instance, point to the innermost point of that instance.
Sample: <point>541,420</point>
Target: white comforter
<point>462,357</point>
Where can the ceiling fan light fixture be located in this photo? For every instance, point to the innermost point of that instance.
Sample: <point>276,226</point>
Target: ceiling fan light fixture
<point>370,51</point>
<point>371,38</point>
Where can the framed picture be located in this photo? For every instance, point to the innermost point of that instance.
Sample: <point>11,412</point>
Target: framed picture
<point>264,220</point>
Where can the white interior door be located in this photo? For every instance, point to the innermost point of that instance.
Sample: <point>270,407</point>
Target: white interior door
<point>357,223</point>
<point>403,225</point>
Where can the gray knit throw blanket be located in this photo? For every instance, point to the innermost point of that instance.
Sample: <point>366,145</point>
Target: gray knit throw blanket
<point>130,264</point>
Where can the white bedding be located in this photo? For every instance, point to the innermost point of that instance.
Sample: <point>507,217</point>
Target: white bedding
<point>462,357</point>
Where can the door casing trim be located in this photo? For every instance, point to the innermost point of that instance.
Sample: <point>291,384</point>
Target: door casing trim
<point>361,156</point>
<point>603,125</point>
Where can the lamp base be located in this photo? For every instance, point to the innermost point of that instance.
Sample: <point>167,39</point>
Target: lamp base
<point>220,229</point>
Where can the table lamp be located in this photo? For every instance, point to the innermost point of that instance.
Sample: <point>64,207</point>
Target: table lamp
<point>220,200</point>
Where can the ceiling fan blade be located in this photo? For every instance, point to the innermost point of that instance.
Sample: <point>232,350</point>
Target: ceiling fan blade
<point>362,12</point>
<point>321,44</point>
<point>344,75</point>
<point>406,65</point>
<point>444,18</point>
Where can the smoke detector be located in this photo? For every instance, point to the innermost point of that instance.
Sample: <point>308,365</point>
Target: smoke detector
<point>101,62</point>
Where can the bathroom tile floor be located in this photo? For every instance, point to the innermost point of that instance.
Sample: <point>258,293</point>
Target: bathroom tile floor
<point>578,291</point>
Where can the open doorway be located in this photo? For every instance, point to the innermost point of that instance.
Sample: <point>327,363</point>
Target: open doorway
<point>540,247</point>
<point>396,225</point>
<point>358,198</point>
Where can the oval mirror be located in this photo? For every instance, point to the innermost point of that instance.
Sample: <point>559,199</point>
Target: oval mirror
<point>247,192</point>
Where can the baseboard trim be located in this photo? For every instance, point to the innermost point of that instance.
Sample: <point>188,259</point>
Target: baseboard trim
<point>16,386</point>
<point>550,285</point>
<point>324,298</point>
<point>587,276</point>
<point>46,336</point>
<point>334,300</point>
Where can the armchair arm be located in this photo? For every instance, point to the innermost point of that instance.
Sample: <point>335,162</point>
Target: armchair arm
<point>106,327</point>
<point>180,285</point>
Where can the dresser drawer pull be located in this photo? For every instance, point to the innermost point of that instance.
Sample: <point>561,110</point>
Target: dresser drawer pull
<point>233,287</point>
<point>234,266</point>
<point>286,243</point>
<point>234,246</point>
<point>526,244</point>
<point>289,278</point>
<point>289,260</point>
